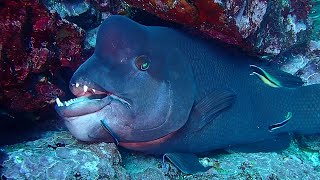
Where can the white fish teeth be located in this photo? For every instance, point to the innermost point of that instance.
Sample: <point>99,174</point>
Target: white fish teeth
<point>85,88</point>
<point>93,90</point>
<point>66,104</point>
<point>59,103</point>
<point>77,84</point>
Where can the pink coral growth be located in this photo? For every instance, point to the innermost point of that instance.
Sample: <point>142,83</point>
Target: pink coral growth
<point>34,42</point>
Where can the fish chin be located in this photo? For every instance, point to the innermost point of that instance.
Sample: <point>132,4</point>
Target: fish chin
<point>88,127</point>
<point>85,127</point>
<point>83,116</point>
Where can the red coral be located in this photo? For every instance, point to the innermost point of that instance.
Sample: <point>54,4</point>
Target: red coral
<point>178,11</point>
<point>34,43</point>
<point>301,8</point>
<point>23,100</point>
<point>259,26</point>
<point>38,59</point>
<point>70,44</point>
<point>209,17</point>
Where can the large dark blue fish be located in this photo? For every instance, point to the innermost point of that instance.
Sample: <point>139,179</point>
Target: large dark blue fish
<point>157,90</point>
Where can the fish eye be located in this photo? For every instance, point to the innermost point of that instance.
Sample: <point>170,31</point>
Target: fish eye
<point>142,62</point>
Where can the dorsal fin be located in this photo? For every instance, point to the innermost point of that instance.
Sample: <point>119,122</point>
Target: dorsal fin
<point>276,78</point>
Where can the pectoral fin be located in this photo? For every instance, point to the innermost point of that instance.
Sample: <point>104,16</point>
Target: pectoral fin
<point>186,163</point>
<point>210,107</point>
<point>276,78</point>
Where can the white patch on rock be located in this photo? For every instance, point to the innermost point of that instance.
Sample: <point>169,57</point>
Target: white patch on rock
<point>91,36</point>
<point>272,50</point>
<point>295,25</point>
<point>249,23</point>
<point>296,63</point>
<point>314,45</point>
<point>218,2</point>
<point>65,9</point>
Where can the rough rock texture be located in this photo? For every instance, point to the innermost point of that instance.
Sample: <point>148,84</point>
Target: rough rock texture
<point>263,27</point>
<point>34,44</point>
<point>309,143</point>
<point>57,155</point>
<point>86,14</point>
<point>303,61</point>
<point>40,47</point>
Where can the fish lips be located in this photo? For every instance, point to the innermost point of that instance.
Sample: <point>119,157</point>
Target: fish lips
<point>82,106</point>
<point>83,117</point>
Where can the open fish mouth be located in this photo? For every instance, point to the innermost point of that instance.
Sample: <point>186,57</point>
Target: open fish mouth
<point>89,100</point>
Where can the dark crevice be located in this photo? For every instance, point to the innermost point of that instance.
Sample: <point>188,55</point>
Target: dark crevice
<point>6,62</point>
<point>27,30</point>
<point>148,19</point>
<point>2,4</point>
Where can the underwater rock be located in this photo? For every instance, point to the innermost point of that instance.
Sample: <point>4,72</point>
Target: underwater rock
<point>57,155</point>
<point>67,8</point>
<point>34,45</point>
<point>150,174</point>
<point>285,25</point>
<point>309,143</point>
<point>91,36</point>
<point>210,17</point>
<point>86,14</point>
<point>302,61</point>
<point>41,42</point>
<point>263,27</point>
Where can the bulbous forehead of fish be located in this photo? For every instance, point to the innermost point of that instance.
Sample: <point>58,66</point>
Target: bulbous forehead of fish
<point>161,95</point>
<point>120,35</point>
